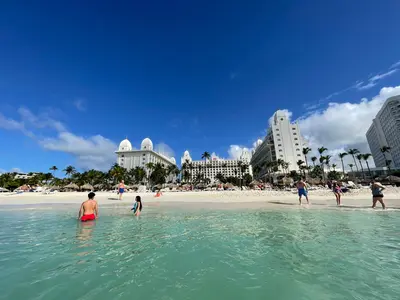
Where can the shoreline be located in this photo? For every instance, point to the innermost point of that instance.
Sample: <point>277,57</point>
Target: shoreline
<point>212,199</point>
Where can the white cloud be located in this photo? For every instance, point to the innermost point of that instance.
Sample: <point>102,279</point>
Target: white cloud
<point>94,152</point>
<point>344,125</point>
<point>288,114</point>
<point>165,150</point>
<point>235,151</point>
<point>80,104</point>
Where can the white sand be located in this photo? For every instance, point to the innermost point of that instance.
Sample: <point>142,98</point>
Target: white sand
<point>225,199</point>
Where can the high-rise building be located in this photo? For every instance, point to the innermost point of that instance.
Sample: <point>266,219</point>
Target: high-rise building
<point>215,165</point>
<point>283,141</point>
<point>130,158</point>
<point>385,131</point>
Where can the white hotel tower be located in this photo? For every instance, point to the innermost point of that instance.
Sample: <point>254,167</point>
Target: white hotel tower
<point>283,141</point>
<point>385,131</point>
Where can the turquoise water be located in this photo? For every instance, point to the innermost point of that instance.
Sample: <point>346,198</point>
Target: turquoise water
<point>177,254</point>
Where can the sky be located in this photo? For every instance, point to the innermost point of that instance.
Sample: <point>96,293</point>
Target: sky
<point>76,78</point>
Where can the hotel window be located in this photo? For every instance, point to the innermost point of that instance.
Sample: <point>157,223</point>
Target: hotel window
<point>281,155</point>
<point>277,129</point>
<point>122,155</point>
<point>294,133</point>
<point>293,128</point>
<point>297,149</point>
<point>278,134</point>
<point>295,139</point>
<point>281,119</point>
<point>298,155</point>
<point>280,150</point>
<point>279,144</point>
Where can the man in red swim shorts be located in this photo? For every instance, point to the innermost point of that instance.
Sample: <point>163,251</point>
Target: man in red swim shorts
<point>89,209</point>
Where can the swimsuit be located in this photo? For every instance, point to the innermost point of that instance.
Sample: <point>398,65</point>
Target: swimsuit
<point>90,217</point>
<point>377,193</point>
<point>121,190</point>
<point>135,207</point>
<point>302,192</point>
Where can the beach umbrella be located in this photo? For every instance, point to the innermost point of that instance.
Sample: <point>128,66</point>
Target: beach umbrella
<point>200,186</point>
<point>392,178</point>
<point>3,190</point>
<point>23,188</point>
<point>72,186</point>
<point>255,182</point>
<point>54,187</point>
<point>87,187</point>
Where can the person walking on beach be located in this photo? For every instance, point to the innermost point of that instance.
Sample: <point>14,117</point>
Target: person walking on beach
<point>89,210</point>
<point>377,195</point>
<point>302,190</point>
<point>137,207</point>
<point>121,189</point>
<point>337,191</point>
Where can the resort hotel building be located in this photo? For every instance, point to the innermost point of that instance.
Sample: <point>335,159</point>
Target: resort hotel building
<point>210,168</point>
<point>283,141</point>
<point>130,158</point>
<point>385,131</point>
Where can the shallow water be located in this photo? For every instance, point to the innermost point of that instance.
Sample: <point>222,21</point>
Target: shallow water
<point>178,254</point>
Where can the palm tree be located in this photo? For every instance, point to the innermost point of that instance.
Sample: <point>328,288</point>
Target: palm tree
<point>150,168</point>
<point>360,157</point>
<point>354,152</point>
<point>306,150</point>
<point>334,167</point>
<point>342,155</point>
<point>300,164</point>
<point>206,156</point>
<point>351,167</point>
<point>384,150</point>
<point>242,168</point>
<point>321,162</point>
<point>366,157</point>
<point>328,162</point>
<point>224,165</point>
<point>69,170</point>
<point>314,159</point>
<point>53,168</point>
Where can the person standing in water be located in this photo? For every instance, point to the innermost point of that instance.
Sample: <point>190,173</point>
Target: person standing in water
<point>337,191</point>
<point>121,189</point>
<point>89,209</point>
<point>377,195</point>
<point>137,207</point>
<point>302,190</point>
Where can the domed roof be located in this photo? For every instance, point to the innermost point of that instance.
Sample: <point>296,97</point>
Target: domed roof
<point>125,145</point>
<point>147,144</point>
<point>172,159</point>
<point>186,153</point>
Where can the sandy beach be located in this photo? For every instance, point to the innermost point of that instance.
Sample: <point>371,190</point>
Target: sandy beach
<point>224,199</point>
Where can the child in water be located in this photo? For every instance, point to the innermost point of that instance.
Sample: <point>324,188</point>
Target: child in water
<point>137,207</point>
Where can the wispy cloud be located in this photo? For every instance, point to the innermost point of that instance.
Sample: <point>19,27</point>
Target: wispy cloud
<point>359,85</point>
<point>80,104</point>
<point>375,79</point>
<point>395,65</point>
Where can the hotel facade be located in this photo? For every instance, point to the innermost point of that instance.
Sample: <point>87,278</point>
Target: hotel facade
<point>385,131</point>
<point>130,158</point>
<point>210,168</point>
<point>283,141</point>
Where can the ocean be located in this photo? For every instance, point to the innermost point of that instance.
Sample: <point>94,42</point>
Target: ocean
<point>180,253</point>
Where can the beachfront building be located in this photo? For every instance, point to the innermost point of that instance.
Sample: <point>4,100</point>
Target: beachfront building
<point>216,165</point>
<point>283,141</point>
<point>130,158</point>
<point>19,175</point>
<point>385,131</point>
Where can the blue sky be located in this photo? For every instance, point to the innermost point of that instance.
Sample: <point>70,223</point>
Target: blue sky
<point>77,78</point>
